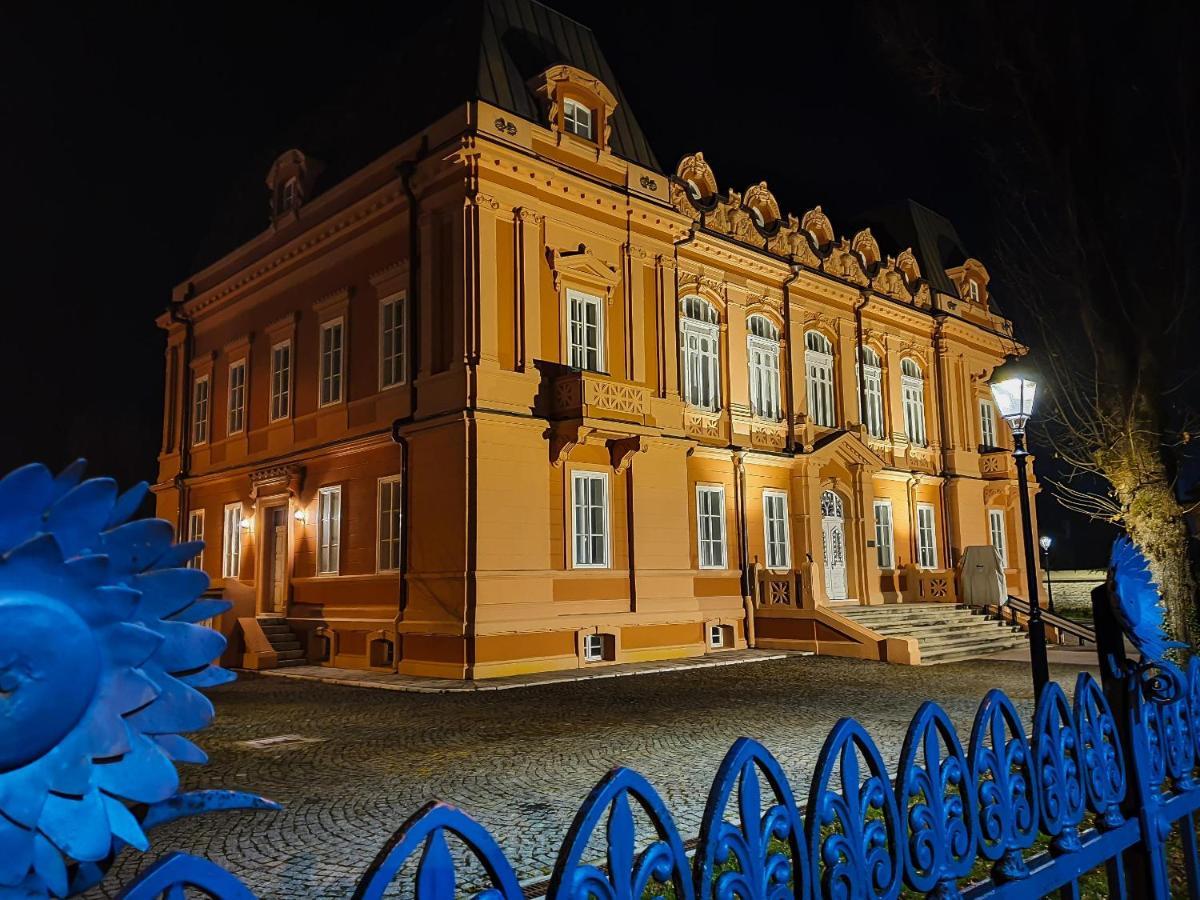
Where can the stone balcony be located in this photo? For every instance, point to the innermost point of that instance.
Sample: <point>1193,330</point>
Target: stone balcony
<point>578,394</point>
<point>997,465</point>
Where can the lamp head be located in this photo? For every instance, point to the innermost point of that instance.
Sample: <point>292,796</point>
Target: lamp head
<point>1045,540</point>
<point>1013,385</point>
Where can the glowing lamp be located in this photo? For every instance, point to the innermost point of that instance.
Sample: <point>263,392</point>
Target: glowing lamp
<point>1013,388</point>
<point>1045,540</point>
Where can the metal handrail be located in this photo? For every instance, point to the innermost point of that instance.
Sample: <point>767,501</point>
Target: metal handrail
<point>1016,605</point>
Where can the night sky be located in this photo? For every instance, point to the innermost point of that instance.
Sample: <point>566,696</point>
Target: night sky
<point>125,130</point>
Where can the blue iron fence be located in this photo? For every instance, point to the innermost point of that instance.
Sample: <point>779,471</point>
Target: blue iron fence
<point>1010,815</point>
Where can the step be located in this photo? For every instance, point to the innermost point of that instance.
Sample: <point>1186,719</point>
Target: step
<point>960,656</point>
<point>967,640</point>
<point>272,620</point>
<point>285,663</point>
<point>285,645</point>
<point>289,654</point>
<point>276,629</point>
<point>937,631</point>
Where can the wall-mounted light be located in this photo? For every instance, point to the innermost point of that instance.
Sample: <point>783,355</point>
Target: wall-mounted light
<point>301,516</point>
<point>247,524</point>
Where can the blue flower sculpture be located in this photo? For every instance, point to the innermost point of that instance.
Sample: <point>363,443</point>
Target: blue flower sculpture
<point>1137,601</point>
<point>100,659</point>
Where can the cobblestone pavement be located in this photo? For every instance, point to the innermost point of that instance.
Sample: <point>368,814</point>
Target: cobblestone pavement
<point>522,761</point>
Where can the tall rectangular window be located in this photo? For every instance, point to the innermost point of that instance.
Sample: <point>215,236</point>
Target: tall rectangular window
<point>871,390</point>
<point>231,541</point>
<point>389,523</point>
<point>701,361</point>
<point>196,533</point>
<point>329,530</point>
<point>589,507</point>
<point>237,396</point>
<point>883,535</point>
<point>586,331</point>
<point>998,535</point>
<point>331,362</point>
<point>710,525</point>
<point>281,380</point>
<point>775,527</point>
<point>392,316</point>
<point>926,537</point>
<point>987,423</point>
<point>912,387</point>
<point>200,410</point>
<point>818,365</point>
<point>764,378</point>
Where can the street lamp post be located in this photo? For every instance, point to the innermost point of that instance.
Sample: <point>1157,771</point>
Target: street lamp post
<point>1045,540</point>
<point>1013,388</point>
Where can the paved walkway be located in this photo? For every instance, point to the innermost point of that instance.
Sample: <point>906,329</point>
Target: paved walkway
<point>521,761</point>
<point>389,682</point>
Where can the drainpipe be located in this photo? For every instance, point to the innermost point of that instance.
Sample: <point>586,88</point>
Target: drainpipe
<point>859,306</point>
<point>405,171</point>
<point>692,234</point>
<point>947,523</point>
<point>787,333</point>
<point>185,410</point>
<point>739,489</point>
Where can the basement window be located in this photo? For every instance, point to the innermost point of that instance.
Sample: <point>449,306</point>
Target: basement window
<point>716,636</point>
<point>595,648</point>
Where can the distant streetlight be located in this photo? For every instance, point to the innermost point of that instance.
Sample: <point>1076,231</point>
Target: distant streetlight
<point>1014,387</point>
<point>1045,540</point>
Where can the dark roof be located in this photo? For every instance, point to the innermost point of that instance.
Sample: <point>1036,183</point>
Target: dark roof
<point>471,49</point>
<point>931,235</point>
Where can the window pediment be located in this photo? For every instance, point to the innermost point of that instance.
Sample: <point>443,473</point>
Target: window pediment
<point>582,267</point>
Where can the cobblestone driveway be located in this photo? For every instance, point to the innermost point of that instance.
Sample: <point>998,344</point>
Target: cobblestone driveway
<point>522,761</point>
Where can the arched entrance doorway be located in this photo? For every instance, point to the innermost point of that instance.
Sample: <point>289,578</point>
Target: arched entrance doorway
<point>833,543</point>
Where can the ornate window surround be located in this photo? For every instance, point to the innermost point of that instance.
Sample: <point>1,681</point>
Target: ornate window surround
<point>558,83</point>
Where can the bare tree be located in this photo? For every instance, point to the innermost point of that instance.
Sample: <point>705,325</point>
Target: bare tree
<point>1086,118</point>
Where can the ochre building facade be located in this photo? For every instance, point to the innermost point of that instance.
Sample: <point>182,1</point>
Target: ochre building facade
<point>513,398</point>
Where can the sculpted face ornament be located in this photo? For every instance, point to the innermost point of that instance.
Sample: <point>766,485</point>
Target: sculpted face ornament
<point>100,661</point>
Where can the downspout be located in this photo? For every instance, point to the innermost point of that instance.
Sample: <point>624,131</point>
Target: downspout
<point>405,171</point>
<point>185,411</point>
<point>947,523</point>
<point>787,333</point>
<point>739,488</point>
<point>693,233</point>
<point>859,306</point>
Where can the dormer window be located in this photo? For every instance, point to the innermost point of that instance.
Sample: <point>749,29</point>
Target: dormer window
<point>289,182</point>
<point>577,119</point>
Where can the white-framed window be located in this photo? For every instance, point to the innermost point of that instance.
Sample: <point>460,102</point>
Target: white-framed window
<point>700,343</point>
<point>593,647</point>
<point>393,314</point>
<point>388,534</point>
<point>577,118</point>
<point>987,423</point>
<point>762,344</point>
<point>973,290</point>
<point>710,525</point>
<point>716,636</point>
<point>871,390</point>
<point>775,528</point>
<point>237,396</point>
<point>589,517</point>
<point>195,532</point>
<point>200,410</point>
<point>231,541</point>
<point>281,380</point>
<point>818,367</point>
<point>884,538</point>
<point>329,529</point>
<point>585,331</point>
<point>332,359</point>
<point>912,385</point>
<point>926,537</point>
<point>998,534</point>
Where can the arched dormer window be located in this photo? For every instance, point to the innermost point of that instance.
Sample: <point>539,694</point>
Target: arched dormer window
<point>290,181</point>
<point>818,367</point>
<point>762,344</point>
<point>577,103</point>
<point>912,385</point>
<point>700,349</point>
<point>870,390</point>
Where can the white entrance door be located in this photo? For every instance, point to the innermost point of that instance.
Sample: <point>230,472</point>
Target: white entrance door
<point>833,541</point>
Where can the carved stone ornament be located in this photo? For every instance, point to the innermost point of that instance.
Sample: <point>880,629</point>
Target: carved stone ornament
<point>583,266</point>
<point>867,248</point>
<point>622,451</point>
<point>276,480</point>
<point>816,223</point>
<point>563,438</point>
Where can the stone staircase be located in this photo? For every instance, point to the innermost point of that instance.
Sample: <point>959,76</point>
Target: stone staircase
<point>944,632</point>
<point>283,641</point>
